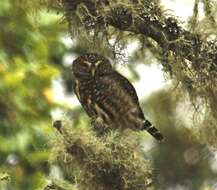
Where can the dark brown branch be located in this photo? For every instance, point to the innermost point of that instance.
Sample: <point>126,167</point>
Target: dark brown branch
<point>146,18</point>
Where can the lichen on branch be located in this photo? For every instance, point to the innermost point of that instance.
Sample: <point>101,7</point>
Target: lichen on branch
<point>114,161</point>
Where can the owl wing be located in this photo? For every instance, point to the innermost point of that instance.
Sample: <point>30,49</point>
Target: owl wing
<point>123,95</point>
<point>129,88</point>
<point>126,85</point>
<point>119,95</point>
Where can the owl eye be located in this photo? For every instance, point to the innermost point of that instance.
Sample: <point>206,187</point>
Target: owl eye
<point>81,69</point>
<point>104,68</point>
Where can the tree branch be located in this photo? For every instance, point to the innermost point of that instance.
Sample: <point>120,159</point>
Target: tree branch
<point>111,162</point>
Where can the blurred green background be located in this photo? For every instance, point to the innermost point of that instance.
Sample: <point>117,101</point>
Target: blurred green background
<point>30,57</point>
<point>32,54</point>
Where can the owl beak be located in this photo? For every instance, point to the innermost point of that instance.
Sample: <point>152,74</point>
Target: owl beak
<point>93,71</point>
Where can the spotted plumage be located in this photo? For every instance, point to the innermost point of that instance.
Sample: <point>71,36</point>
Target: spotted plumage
<point>105,93</point>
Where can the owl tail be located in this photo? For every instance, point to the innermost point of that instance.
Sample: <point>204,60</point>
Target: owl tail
<point>152,130</point>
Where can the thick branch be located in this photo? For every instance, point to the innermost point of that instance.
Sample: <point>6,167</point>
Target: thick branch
<point>146,18</point>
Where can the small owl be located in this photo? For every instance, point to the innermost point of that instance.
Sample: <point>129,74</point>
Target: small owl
<point>106,94</point>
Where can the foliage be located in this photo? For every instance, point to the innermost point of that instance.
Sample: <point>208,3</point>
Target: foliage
<point>182,161</point>
<point>27,66</point>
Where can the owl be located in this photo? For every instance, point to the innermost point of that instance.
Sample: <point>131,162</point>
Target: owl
<point>106,94</point>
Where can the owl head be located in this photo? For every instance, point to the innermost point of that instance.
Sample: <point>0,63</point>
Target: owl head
<point>91,65</point>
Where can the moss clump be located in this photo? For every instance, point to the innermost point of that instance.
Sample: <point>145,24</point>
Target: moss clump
<point>111,162</point>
